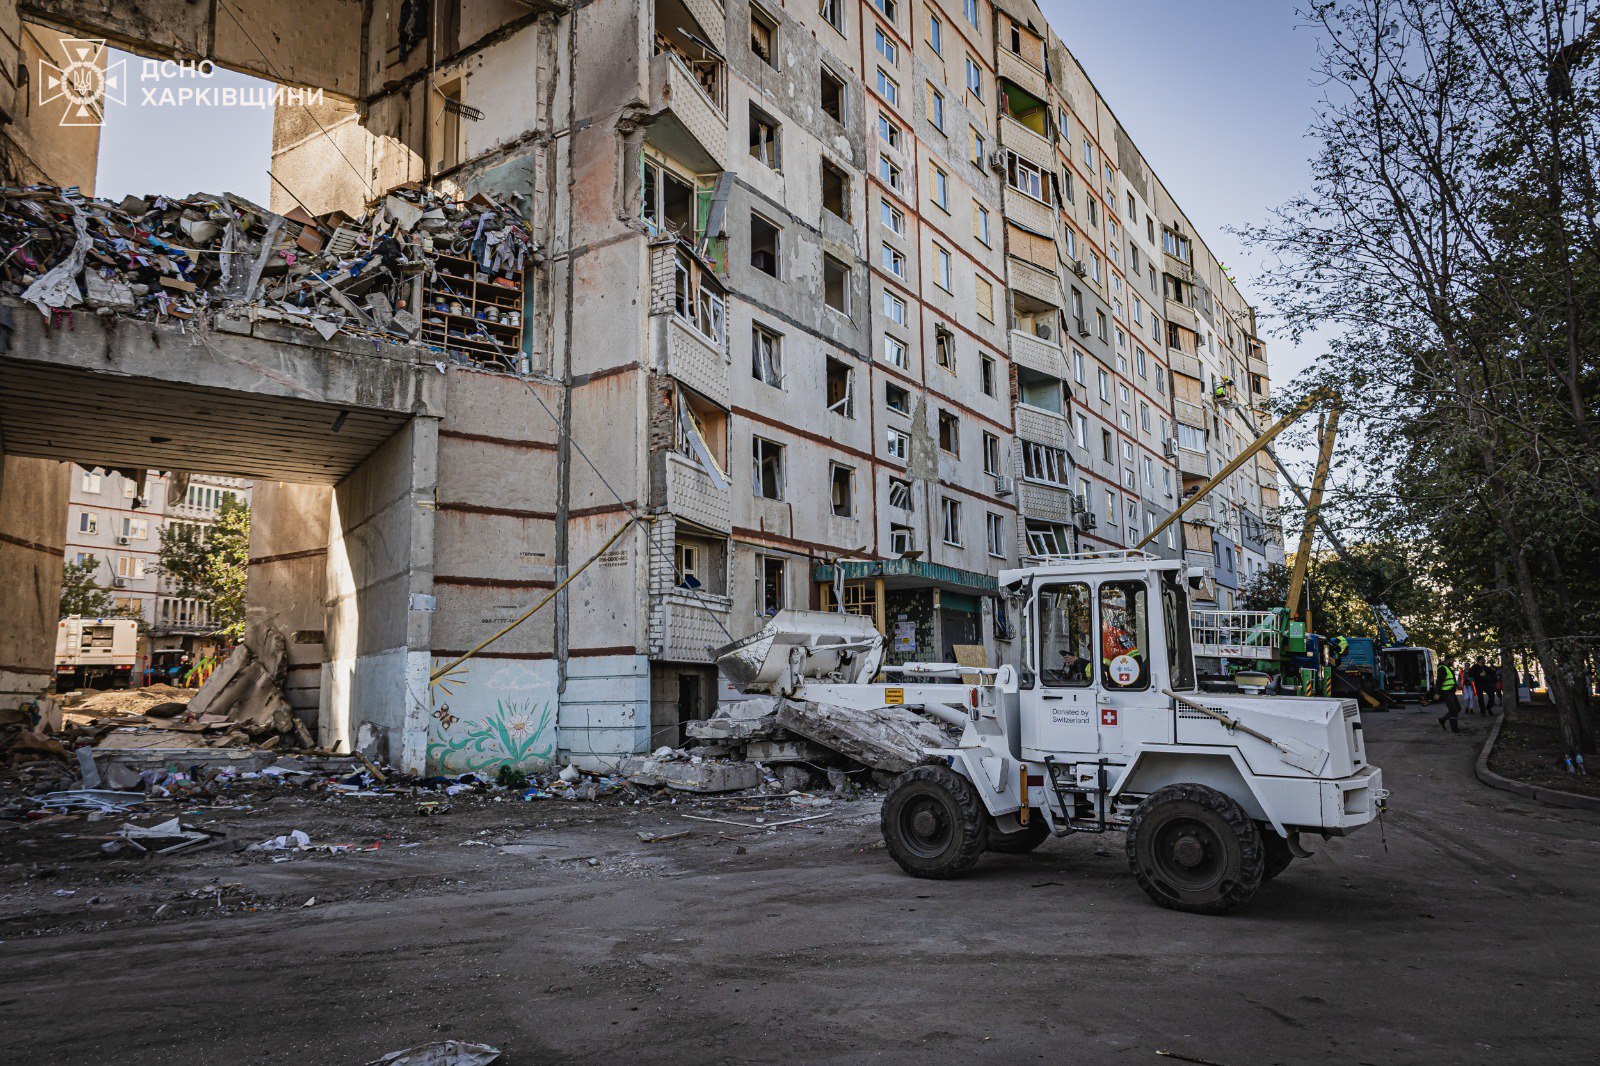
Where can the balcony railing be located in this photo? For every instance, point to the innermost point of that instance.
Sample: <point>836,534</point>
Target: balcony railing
<point>691,124</point>
<point>693,496</point>
<point>685,625</point>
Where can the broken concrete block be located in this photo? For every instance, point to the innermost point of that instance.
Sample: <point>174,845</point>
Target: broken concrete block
<point>740,720</point>
<point>221,678</point>
<point>781,751</point>
<point>795,778</point>
<point>884,738</point>
<point>690,775</point>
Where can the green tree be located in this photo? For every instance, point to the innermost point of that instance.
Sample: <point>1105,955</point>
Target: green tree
<point>1451,235</point>
<point>211,563</point>
<point>81,594</point>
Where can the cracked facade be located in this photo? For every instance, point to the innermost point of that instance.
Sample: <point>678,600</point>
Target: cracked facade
<point>853,299</point>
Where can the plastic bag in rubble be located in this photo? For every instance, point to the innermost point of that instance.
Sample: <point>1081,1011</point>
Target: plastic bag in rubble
<point>293,840</point>
<point>441,1053</point>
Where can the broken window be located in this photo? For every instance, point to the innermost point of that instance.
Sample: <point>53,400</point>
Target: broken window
<point>700,563</point>
<point>702,435</point>
<point>900,495</point>
<point>842,490</point>
<point>764,245</point>
<point>767,460</point>
<point>677,34</point>
<point>686,563</point>
<point>949,433</point>
<point>896,352</point>
<point>1050,539</point>
<point>986,375</point>
<point>766,356</point>
<point>771,590</point>
<point>1040,390</point>
<point>835,284</point>
<point>764,138</point>
<point>764,36</point>
<point>896,399</point>
<point>893,260</point>
<point>840,381</point>
<point>890,174</point>
<point>902,540</point>
<point>668,201</point>
<point>835,190</point>
<point>991,454</point>
<point>1040,462</point>
<point>950,520</point>
<point>832,12</point>
<point>698,298</point>
<point>832,88</point>
<point>997,535</point>
<point>447,109</point>
<point>944,345</point>
<point>898,446</point>
<point>1025,177</point>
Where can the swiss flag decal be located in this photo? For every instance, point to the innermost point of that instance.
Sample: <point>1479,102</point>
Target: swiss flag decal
<point>1108,716</point>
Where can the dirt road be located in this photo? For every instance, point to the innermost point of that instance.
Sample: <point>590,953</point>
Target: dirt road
<point>1471,939</point>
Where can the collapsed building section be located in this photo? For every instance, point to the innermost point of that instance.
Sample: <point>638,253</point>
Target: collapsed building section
<point>845,308</point>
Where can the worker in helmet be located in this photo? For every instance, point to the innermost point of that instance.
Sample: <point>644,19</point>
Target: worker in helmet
<point>1117,642</point>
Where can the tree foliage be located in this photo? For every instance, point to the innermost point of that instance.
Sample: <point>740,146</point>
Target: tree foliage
<point>1450,234</point>
<point>84,596</point>
<point>211,563</point>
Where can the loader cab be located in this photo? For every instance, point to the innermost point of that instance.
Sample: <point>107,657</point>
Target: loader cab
<point>1107,633</point>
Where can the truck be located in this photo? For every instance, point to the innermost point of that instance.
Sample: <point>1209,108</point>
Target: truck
<point>96,653</point>
<point>1099,726</point>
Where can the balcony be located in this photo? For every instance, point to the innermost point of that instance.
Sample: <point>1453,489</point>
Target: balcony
<point>1194,464</point>
<point>1028,144</point>
<point>1048,503</point>
<point>1030,281</point>
<point>1184,363</point>
<point>685,625</point>
<point>690,356</point>
<point>1183,315</point>
<point>1189,413</point>
<point>1041,426</point>
<point>691,494</point>
<point>1035,353</point>
<point>1025,211</point>
<point>687,122</point>
<point>1023,74</point>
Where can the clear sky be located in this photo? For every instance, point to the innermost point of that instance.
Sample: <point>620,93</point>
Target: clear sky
<point>1217,94</point>
<point>181,150</point>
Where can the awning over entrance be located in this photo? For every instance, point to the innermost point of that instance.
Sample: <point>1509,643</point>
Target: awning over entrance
<point>912,573</point>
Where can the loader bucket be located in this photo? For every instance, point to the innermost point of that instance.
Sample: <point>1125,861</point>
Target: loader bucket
<point>838,647</point>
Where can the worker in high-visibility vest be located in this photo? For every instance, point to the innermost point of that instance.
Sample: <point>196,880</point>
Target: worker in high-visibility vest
<point>1446,682</point>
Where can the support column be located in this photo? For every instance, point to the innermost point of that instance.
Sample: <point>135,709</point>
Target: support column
<point>380,601</point>
<point>33,535</point>
<point>288,591</point>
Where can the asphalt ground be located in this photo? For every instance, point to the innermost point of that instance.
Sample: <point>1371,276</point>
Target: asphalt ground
<point>1466,929</point>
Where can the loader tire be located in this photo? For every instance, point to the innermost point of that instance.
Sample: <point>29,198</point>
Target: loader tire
<point>934,824</point>
<point>1021,841</point>
<point>1277,855</point>
<point>1193,849</point>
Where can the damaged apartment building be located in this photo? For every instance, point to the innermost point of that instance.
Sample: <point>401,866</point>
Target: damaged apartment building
<point>833,305</point>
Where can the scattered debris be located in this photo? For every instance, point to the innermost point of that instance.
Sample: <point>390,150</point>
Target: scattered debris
<point>294,840</point>
<point>884,738</point>
<point>441,1053</point>
<point>162,837</point>
<point>690,773</point>
<point>758,824</point>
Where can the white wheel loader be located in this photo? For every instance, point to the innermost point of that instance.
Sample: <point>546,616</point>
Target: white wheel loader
<point>1099,727</point>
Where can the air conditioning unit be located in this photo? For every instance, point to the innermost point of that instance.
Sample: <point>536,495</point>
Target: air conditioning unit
<point>1170,447</point>
<point>119,582</point>
<point>1083,327</point>
<point>1086,521</point>
<point>1003,485</point>
<point>997,160</point>
<point>1042,332</point>
<point>1079,269</point>
<point>124,540</point>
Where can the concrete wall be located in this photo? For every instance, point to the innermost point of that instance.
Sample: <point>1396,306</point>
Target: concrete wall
<point>33,504</point>
<point>380,601</point>
<point>288,583</point>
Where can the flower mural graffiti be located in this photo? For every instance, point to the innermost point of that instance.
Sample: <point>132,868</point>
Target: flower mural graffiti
<point>520,735</point>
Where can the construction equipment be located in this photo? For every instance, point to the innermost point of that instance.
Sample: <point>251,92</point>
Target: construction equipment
<point>1098,727</point>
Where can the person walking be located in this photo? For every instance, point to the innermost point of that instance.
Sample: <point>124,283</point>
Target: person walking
<point>1483,679</point>
<point>1468,689</point>
<point>1445,681</point>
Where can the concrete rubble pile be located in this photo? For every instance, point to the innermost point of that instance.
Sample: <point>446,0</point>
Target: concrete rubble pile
<point>164,258</point>
<point>799,742</point>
